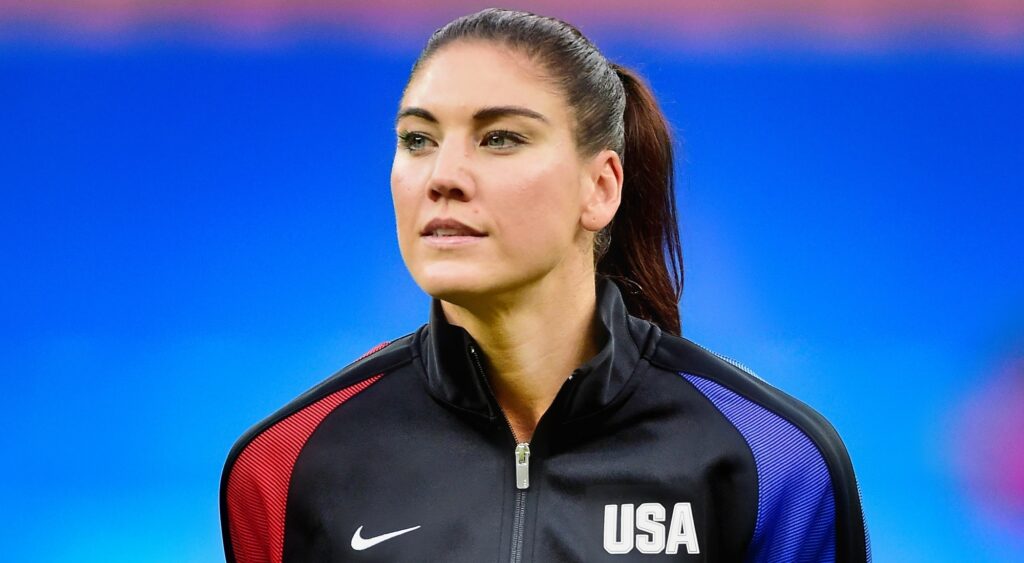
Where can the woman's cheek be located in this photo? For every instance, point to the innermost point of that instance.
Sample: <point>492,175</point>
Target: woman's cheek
<point>405,220</point>
<point>528,232</point>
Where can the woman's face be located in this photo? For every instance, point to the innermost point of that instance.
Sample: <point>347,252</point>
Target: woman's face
<point>483,140</point>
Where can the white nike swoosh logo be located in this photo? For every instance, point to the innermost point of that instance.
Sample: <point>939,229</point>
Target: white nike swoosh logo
<point>360,543</point>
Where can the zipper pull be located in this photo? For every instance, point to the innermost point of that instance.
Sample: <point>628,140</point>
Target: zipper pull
<point>523,465</point>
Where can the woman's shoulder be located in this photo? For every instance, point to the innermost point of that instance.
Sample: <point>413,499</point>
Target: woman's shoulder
<point>287,428</point>
<point>256,475</point>
<point>731,385</point>
<point>801,461</point>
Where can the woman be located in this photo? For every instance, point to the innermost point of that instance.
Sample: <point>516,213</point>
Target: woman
<point>549,409</point>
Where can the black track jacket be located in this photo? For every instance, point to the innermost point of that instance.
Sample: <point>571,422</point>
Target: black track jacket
<point>654,450</point>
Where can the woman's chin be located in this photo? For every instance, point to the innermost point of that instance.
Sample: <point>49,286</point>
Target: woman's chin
<point>454,290</point>
<point>458,284</point>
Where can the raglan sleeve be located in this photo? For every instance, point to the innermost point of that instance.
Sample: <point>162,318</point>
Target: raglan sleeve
<point>809,506</point>
<point>257,473</point>
<point>808,502</point>
<point>248,510</point>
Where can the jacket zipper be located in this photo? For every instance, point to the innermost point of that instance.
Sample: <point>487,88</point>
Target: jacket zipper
<point>522,461</point>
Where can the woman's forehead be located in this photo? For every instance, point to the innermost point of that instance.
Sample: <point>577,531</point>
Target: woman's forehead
<point>460,80</point>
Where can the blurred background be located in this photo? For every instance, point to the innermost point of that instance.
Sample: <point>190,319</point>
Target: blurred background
<point>196,226</point>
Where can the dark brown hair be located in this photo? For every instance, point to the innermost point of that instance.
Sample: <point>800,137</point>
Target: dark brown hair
<point>612,108</point>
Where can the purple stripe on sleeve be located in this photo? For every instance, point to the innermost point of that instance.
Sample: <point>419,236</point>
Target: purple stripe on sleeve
<point>795,503</point>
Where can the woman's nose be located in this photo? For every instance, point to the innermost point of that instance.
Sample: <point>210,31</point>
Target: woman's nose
<point>452,175</point>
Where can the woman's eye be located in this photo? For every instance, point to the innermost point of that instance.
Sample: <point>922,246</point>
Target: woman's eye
<point>417,142</point>
<point>412,142</point>
<point>495,139</point>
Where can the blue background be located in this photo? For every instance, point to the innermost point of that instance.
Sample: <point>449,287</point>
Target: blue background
<point>192,235</point>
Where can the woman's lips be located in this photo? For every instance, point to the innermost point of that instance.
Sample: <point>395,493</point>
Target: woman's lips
<point>449,226</point>
<point>448,232</point>
<point>451,241</point>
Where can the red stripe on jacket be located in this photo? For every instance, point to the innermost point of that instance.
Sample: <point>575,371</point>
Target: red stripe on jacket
<point>258,485</point>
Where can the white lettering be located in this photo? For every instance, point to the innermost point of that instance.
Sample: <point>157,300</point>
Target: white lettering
<point>682,530</point>
<point>625,542</point>
<point>649,535</point>
<point>649,518</point>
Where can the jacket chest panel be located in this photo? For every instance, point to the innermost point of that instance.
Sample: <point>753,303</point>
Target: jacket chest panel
<point>647,484</point>
<point>415,467</point>
<point>610,505</point>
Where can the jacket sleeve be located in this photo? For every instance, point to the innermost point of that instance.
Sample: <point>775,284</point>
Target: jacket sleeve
<point>809,507</point>
<point>808,503</point>
<point>802,519</point>
<point>258,471</point>
<point>247,517</point>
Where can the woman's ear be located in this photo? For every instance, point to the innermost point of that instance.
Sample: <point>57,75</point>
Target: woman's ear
<point>602,190</point>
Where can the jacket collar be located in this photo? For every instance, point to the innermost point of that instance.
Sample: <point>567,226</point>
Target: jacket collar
<point>453,377</point>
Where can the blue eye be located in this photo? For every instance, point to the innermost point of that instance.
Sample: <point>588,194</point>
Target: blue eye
<point>498,139</point>
<point>411,141</point>
<point>502,134</point>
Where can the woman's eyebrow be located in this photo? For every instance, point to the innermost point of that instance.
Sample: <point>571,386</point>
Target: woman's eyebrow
<point>482,115</point>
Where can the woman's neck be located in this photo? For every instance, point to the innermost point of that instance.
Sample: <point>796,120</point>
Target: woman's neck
<point>531,344</point>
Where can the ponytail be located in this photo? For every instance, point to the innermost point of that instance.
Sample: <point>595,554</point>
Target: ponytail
<point>644,233</point>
